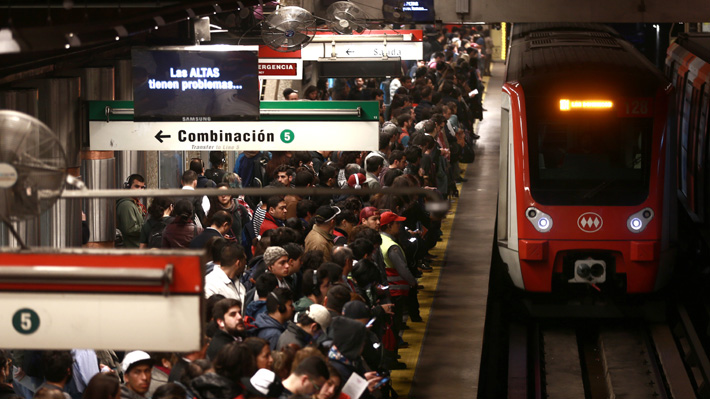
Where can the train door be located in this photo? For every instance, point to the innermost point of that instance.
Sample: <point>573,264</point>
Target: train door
<point>507,227</point>
<point>502,227</point>
<point>703,176</point>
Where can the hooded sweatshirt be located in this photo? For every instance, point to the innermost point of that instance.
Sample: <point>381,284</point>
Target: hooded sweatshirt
<point>294,334</point>
<point>348,341</point>
<point>269,329</point>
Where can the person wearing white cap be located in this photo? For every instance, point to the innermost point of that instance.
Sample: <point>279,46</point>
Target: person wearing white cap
<point>311,323</point>
<point>264,383</point>
<point>137,366</point>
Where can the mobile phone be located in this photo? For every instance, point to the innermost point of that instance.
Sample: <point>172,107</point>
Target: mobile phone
<point>382,382</point>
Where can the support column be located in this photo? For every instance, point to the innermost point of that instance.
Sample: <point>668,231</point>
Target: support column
<point>58,107</point>
<point>99,167</point>
<point>99,173</point>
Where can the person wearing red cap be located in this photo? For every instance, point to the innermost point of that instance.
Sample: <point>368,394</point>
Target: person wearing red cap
<point>399,278</point>
<point>357,180</point>
<point>398,274</point>
<point>370,217</point>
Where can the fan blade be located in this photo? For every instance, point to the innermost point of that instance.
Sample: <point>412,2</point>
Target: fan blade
<point>298,38</point>
<point>44,169</point>
<point>274,39</point>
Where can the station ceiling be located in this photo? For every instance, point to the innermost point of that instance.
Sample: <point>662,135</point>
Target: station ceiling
<point>41,29</point>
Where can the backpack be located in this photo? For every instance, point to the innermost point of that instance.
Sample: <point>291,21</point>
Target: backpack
<point>199,211</point>
<point>155,237</point>
<point>259,171</point>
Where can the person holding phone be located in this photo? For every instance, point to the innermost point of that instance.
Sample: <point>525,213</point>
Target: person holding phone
<point>345,354</point>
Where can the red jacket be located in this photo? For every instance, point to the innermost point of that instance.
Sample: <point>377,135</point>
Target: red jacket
<point>269,223</point>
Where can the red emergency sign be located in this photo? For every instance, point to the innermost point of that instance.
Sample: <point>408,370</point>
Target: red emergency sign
<point>278,69</point>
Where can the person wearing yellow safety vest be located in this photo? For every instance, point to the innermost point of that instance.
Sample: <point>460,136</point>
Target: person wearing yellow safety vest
<point>399,278</point>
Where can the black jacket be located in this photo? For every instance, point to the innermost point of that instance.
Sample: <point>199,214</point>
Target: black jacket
<point>219,340</point>
<point>215,386</point>
<point>293,335</point>
<point>200,241</point>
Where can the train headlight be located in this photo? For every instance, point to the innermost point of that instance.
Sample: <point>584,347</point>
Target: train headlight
<point>540,220</point>
<point>583,270</point>
<point>543,223</point>
<point>637,222</point>
<point>597,270</point>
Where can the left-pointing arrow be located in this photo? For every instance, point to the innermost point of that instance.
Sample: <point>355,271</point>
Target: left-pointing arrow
<point>160,136</point>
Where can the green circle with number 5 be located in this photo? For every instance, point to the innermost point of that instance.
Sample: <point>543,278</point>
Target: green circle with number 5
<point>25,321</point>
<point>287,136</point>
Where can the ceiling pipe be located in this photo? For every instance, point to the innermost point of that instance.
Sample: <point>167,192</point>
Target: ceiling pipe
<point>103,31</point>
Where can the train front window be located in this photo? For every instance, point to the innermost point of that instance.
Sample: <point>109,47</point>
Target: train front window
<point>589,160</point>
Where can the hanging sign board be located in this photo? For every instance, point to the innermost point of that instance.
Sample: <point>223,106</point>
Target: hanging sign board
<point>280,68</point>
<point>217,81</point>
<point>234,136</point>
<point>403,50</point>
<point>279,65</point>
<point>86,299</point>
<point>284,126</point>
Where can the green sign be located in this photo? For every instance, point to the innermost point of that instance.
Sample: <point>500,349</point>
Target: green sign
<point>287,136</point>
<point>25,321</point>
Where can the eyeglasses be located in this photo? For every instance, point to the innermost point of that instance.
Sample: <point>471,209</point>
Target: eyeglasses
<point>316,386</point>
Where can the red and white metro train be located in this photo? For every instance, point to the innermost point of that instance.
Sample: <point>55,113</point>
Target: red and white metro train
<point>586,190</point>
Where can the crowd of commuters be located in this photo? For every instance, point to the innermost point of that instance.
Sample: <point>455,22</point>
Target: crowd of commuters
<point>302,294</point>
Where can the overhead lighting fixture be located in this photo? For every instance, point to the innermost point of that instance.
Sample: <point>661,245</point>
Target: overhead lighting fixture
<point>8,44</point>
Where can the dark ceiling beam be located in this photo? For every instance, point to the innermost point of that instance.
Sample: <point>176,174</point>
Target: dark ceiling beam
<point>107,24</point>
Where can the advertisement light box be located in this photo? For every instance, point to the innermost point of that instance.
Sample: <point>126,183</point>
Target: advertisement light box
<point>195,83</point>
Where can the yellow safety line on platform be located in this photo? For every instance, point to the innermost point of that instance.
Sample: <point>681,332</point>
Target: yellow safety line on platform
<point>402,379</point>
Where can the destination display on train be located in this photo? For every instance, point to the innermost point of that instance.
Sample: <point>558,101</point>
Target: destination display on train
<point>199,83</point>
<point>637,107</point>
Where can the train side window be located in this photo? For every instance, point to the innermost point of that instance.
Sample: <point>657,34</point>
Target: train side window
<point>701,150</point>
<point>687,92</point>
<point>693,146</point>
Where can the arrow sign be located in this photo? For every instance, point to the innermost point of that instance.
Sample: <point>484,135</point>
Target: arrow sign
<point>348,51</point>
<point>160,136</point>
<point>231,136</point>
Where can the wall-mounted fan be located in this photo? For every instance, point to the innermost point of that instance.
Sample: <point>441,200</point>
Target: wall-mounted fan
<point>345,17</point>
<point>32,167</point>
<point>288,29</point>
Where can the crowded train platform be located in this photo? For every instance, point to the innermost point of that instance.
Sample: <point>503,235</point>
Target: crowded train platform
<point>323,296</point>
